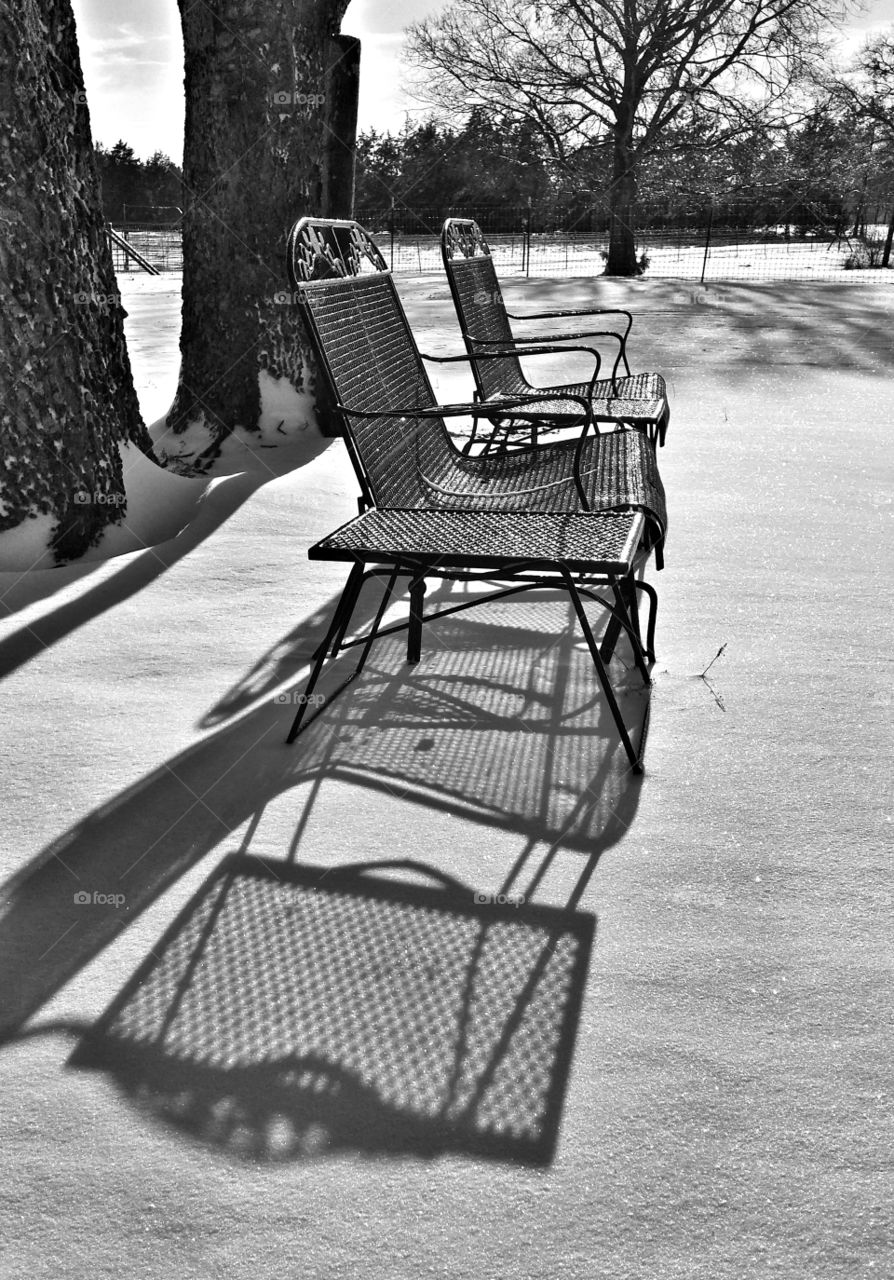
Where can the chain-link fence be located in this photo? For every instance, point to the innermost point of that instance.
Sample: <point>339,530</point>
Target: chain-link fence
<point>768,238</point>
<point>772,238</point>
<point>135,244</point>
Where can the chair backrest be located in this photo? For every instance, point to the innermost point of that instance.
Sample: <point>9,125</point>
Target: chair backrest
<point>479,306</point>
<point>330,248</point>
<point>369,359</point>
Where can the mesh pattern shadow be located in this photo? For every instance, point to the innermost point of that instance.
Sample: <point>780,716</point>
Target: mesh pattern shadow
<point>291,1011</point>
<point>500,723</point>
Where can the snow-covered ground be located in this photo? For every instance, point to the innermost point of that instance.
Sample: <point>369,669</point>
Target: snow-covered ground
<point>163,500</point>
<point>727,1112</point>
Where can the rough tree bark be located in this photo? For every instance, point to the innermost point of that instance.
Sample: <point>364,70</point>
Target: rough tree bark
<point>271,109</point>
<point>66,395</point>
<point>622,192</point>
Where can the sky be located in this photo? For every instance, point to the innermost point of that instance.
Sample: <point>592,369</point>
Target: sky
<point>132,57</point>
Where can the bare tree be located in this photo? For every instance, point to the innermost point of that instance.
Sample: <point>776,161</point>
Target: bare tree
<point>868,87</point>
<point>621,72</point>
<point>865,94</point>
<point>271,106</point>
<point>66,395</point>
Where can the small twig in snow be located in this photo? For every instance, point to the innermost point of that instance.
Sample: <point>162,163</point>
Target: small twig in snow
<point>714,659</point>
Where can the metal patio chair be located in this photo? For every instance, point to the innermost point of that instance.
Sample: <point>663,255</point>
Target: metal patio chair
<point>581,515</point>
<point>635,400</point>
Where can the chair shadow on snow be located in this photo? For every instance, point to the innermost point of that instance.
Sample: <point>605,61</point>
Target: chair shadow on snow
<point>500,723</point>
<point>292,1012</point>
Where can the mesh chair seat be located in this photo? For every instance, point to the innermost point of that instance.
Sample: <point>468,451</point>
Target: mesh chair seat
<point>606,407</point>
<point>634,386</point>
<point>637,395</point>
<point>604,544</point>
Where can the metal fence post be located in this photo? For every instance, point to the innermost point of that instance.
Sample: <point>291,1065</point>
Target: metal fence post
<point>391,231</point>
<point>527,253</point>
<point>886,256</point>
<point>707,240</point>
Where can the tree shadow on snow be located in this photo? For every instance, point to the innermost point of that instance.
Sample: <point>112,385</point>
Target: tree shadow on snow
<point>217,505</point>
<point>735,327</point>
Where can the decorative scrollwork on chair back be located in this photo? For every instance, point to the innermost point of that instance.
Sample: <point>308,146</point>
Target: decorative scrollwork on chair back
<point>325,249</point>
<point>463,238</point>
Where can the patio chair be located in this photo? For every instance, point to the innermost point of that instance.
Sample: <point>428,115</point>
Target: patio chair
<point>636,400</point>
<point>582,514</point>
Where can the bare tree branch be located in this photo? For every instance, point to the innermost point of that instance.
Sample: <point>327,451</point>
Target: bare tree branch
<point>580,72</point>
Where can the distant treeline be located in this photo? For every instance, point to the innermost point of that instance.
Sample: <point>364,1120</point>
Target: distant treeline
<point>825,173</point>
<point>135,190</point>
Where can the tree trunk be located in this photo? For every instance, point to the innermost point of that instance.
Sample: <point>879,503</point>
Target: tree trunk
<point>271,108</point>
<point>66,395</point>
<point>343,89</point>
<point>622,203</point>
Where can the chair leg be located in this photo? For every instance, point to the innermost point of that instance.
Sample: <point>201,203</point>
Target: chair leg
<point>414,633</point>
<point>635,757</point>
<point>626,611</point>
<point>653,610</point>
<point>344,610</point>
<point>374,630</point>
<point>337,628</point>
<point>663,425</point>
<point>626,608</point>
<point>610,639</point>
<point>341,616</point>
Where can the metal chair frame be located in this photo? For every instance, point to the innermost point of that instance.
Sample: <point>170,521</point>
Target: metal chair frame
<point>411,526</point>
<point>580,578</point>
<point>637,401</point>
<point>327,285</point>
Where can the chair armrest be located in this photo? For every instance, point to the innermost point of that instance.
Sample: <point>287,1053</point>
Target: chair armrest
<point>576,311</point>
<point>522,346</point>
<point>511,351</point>
<point>475,409</point>
<point>595,311</point>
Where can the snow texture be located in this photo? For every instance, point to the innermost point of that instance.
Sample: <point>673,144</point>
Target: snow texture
<point>727,1112</point>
